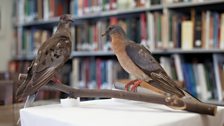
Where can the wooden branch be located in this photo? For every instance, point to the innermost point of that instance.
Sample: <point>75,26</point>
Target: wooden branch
<point>106,93</point>
<point>192,105</point>
<point>152,98</point>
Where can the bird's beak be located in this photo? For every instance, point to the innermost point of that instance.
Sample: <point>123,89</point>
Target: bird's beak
<point>105,33</point>
<point>71,20</point>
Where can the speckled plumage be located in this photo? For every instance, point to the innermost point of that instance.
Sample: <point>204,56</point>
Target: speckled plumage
<point>52,54</point>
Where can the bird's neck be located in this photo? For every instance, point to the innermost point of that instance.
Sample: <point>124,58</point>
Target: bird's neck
<point>118,43</point>
<point>63,27</point>
<point>64,31</point>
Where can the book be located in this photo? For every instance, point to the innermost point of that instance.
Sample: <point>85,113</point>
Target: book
<point>96,73</point>
<point>165,62</point>
<point>217,61</point>
<point>197,25</point>
<point>75,73</point>
<point>178,66</point>
<point>187,35</point>
<point>165,30</point>
<point>189,78</point>
<point>200,76</point>
<point>150,31</point>
<point>222,31</point>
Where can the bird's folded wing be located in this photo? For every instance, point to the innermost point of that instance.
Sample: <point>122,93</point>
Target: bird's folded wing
<point>147,63</point>
<point>45,65</point>
<point>53,54</point>
<point>41,78</point>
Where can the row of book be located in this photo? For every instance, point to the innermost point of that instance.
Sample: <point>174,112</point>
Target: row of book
<point>156,30</point>
<point>198,29</point>
<point>79,8</point>
<point>30,10</point>
<point>85,7</point>
<point>203,79</point>
<point>204,29</point>
<point>185,1</point>
<point>31,41</point>
<point>88,35</point>
<point>96,73</point>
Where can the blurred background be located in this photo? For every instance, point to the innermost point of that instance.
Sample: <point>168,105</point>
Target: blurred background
<point>185,36</point>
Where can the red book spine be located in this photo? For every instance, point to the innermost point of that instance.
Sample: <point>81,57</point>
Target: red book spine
<point>98,73</point>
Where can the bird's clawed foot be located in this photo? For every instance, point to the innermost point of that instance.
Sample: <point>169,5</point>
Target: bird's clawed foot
<point>134,83</point>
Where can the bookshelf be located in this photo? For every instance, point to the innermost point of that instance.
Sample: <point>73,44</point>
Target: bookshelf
<point>154,23</point>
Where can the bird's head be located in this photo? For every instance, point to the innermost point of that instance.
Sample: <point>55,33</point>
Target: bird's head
<point>66,20</point>
<point>114,29</point>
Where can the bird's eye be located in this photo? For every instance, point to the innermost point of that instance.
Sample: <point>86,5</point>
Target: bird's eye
<point>110,28</point>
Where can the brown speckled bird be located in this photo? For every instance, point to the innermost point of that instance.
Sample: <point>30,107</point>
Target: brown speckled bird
<point>51,56</point>
<point>139,62</point>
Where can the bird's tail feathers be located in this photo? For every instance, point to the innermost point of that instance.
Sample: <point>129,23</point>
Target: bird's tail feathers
<point>189,96</point>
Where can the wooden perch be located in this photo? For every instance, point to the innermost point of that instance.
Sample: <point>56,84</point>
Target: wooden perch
<point>152,98</point>
<point>192,104</point>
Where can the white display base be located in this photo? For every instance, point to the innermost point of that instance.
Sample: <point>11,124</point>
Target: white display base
<point>114,112</point>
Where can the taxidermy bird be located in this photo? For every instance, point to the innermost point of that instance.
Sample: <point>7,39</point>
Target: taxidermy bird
<point>139,62</point>
<point>51,56</point>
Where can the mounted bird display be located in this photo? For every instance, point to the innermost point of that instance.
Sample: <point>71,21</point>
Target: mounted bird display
<point>139,62</point>
<point>50,57</point>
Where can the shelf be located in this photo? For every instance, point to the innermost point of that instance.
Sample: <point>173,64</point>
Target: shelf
<point>154,52</point>
<point>93,15</point>
<point>104,14</point>
<point>39,22</point>
<point>190,51</point>
<point>91,53</point>
<point>216,102</point>
<point>193,4</point>
<point>31,57</point>
<point>119,12</point>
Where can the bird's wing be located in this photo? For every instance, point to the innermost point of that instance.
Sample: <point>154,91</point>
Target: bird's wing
<point>147,63</point>
<point>33,86</point>
<point>45,65</point>
<point>52,53</point>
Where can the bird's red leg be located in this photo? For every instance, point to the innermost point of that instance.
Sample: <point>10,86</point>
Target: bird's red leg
<point>135,85</point>
<point>129,84</point>
<point>56,80</point>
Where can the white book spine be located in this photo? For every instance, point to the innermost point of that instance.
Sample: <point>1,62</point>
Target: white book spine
<point>110,73</point>
<point>46,9</point>
<point>207,29</point>
<point>150,26</point>
<point>202,82</point>
<point>217,77</point>
<point>179,71</point>
<point>20,15</point>
<point>75,73</point>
